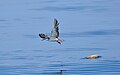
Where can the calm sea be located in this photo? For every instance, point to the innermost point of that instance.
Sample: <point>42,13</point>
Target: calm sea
<point>87,26</point>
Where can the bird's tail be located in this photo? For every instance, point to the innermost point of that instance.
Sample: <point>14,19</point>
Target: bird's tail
<point>60,40</point>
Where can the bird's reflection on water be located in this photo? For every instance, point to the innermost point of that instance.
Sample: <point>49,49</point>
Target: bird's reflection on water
<point>60,72</point>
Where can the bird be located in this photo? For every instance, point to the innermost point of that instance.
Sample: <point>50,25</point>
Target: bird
<point>54,37</point>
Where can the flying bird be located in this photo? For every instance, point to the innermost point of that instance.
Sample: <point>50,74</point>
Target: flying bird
<point>54,37</point>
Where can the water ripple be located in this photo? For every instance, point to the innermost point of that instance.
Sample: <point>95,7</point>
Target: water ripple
<point>72,8</point>
<point>92,33</point>
<point>3,20</point>
<point>104,66</point>
<point>31,36</point>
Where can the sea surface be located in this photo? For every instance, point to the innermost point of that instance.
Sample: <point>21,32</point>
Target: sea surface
<point>87,26</point>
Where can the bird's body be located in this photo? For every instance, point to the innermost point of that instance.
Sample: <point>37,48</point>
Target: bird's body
<point>54,34</point>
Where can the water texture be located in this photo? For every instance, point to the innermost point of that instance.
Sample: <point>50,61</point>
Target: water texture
<point>87,26</point>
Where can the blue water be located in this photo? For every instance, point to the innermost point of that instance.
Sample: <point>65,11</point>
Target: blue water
<point>87,26</point>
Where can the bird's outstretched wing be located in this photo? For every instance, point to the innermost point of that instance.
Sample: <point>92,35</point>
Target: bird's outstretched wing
<point>55,30</point>
<point>43,36</point>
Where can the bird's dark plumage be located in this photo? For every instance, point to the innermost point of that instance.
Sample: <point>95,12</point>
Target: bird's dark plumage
<point>43,36</point>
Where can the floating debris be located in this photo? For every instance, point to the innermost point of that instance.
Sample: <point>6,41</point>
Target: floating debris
<point>95,56</point>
